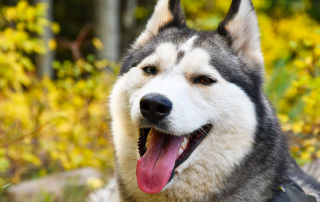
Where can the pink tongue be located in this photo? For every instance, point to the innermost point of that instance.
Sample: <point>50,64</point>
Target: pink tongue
<point>155,167</point>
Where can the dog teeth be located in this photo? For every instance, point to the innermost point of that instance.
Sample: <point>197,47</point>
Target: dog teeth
<point>183,145</point>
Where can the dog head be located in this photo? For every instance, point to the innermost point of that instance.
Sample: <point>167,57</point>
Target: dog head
<point>188,98</point>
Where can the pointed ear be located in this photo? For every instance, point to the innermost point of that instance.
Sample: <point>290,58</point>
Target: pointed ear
<point>166,13</point>
<point>241,28</point>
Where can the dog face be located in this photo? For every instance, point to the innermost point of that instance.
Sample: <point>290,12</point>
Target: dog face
<point>188,99</point>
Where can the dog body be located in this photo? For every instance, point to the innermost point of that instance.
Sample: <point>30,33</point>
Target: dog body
<point>194,101</point>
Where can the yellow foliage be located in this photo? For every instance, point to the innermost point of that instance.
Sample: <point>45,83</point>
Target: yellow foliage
<point>48,124</point>
<point>297,127</point>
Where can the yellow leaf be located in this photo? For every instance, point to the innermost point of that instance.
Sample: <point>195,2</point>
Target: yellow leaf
<point>22,5</point>
<point>30,14</point>
<point>318,154</point>
<point>316,131</point>
<point>10,14</point>
<point>31,158</point>
<point>311,149</point>
<point>299,64</point>
<point>305,155</point>
<point>52,44</point>
<point>94,183</point>
<point>21,26</point>
<point>55,28</point>
<point>309,60</point>
<point>97,43</point>
<point>309,142</point>
<point>295,149</point>
<point>283,118</point>
<point>297,127</point>
<point>317,51</point>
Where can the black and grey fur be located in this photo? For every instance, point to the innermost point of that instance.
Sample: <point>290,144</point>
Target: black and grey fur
<point>235,54</point>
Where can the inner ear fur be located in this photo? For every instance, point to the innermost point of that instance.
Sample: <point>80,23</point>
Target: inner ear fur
<point>167,13</point>
<point>241,28</point>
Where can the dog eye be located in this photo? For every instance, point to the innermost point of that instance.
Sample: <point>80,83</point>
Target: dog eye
<point>204,80</point>
<point>150,70</point>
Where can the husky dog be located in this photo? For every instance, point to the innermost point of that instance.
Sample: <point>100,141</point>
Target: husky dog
<point>190,119</point>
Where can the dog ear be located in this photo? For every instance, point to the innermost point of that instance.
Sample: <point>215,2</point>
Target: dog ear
<point>167,13</point>
<point>242,30</point>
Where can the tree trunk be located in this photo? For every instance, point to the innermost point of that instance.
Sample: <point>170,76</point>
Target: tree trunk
<point>45,61</point>
<point>129,23</point>
<point>108,28</point>
<point>129,19</point>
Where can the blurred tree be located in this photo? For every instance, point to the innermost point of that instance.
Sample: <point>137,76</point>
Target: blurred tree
<point>108,29</point>
<point>44,66</point>
<point>129,21</point>
<point>129,14</point>
<point>76,19</point>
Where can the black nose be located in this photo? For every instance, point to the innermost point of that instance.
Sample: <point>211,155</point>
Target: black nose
<point>155,107</point>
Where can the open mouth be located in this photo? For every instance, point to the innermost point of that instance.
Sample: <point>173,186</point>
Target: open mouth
<point>161,154</point>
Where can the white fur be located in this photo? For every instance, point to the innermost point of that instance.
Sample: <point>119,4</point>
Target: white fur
<point>245,31</point>
<point>186,47</point>
<point>161,16</point>
<point>224,105</point>
<point>108,194</point>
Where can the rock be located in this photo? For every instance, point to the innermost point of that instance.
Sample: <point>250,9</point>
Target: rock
<point>52,184</point>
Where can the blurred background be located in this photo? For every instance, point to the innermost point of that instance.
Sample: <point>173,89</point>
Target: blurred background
<point>58,61</point>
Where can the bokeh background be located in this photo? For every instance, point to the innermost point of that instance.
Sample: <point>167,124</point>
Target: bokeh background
<point>58,61</point>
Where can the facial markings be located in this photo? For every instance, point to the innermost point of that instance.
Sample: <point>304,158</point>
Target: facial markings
<point>167,54</point>
<point>196,65</point>
<point>193,62</point>
<point>162,58</point>
<point>180,55</point>
<point>188,45</point>
<point>184,48</point>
